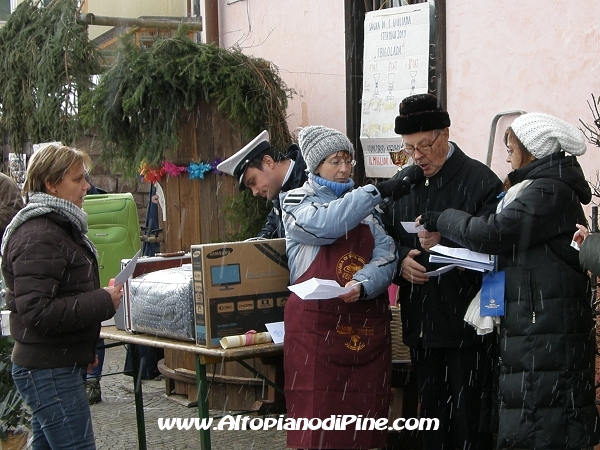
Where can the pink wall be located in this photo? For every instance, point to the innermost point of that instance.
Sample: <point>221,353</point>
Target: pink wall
<point>533,55</point>
<point>305,40</point>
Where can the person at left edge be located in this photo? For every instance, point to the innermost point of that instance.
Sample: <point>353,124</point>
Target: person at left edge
<point>53,293</point>
<point>266,171</point>
<point>11,201</point>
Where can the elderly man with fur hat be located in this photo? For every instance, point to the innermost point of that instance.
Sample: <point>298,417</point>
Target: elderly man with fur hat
<point>547,337</point>
<point>337,351</point>
<point>448,357</point>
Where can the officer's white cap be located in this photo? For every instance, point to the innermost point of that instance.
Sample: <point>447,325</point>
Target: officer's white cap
<point>237,164</point>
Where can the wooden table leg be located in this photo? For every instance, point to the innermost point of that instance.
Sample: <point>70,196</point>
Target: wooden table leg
<point>139,398</point>
<point>202,402</point>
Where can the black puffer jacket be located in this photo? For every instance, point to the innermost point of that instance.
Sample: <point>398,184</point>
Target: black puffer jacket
<point>434,311</point>
<point>546,341</point>
<point>274,227</point>
<point>54,294</point>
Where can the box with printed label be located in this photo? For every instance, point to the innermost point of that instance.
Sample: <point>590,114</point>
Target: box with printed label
<point>238,287</point>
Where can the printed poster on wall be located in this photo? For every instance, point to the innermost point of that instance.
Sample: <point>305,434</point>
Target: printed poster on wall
<point>396,65</point>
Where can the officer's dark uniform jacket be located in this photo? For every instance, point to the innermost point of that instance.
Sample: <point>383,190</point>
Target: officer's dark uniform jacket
<point>274,227</point>
<point>435,311</point>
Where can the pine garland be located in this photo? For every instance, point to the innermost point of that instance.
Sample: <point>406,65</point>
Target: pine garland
<point>46,63</point>
<point>245,215</point>
<point>140,102</point>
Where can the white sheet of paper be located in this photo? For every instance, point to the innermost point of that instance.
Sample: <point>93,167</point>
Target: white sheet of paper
<point>277,331</point>
<point>161,200</point>
<point>127,271</point>
<point>411,228</point>
<point>319,289</point>
<point>441,270</point>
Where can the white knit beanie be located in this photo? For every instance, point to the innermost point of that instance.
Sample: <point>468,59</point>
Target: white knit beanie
<point>318,142</point>
<point>543,134</point>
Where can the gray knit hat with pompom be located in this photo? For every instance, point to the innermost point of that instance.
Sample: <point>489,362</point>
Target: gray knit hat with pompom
<point>318,142</point>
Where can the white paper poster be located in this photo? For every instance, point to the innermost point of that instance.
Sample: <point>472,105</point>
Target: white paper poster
<point>396,65</point>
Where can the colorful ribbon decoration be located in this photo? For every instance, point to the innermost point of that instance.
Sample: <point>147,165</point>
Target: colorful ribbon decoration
<point>172,170</point>
<point>196,170</point>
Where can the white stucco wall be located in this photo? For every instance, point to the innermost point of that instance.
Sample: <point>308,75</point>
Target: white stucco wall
<point>305,40</point>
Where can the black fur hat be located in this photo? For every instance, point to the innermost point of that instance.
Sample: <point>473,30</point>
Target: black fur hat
<point>421,112</point>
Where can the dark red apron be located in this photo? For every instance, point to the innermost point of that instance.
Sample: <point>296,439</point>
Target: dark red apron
<point>337,355</point>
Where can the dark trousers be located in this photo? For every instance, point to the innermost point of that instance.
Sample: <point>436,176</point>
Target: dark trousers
<point>454,387</point>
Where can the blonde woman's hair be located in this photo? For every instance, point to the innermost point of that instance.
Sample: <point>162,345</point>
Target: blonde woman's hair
<point>50,165</point>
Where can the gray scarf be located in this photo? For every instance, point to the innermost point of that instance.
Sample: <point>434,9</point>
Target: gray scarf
<point>40,204</point>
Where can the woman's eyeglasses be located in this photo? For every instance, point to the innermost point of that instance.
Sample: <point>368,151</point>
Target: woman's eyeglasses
<point>339,162</point>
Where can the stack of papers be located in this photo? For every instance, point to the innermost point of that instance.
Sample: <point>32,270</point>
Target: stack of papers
<point>461,257</point>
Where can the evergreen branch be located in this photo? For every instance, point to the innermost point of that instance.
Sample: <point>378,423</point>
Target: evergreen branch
<point>48,61</point>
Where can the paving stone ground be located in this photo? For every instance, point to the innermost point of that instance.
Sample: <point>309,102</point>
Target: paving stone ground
<point>115,426</point>
<point>115,422</point>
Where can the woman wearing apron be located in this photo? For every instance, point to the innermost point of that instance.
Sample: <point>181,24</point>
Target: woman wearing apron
<point>337,352</point>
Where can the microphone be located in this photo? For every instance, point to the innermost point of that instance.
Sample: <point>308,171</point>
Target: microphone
<point>413,175</point>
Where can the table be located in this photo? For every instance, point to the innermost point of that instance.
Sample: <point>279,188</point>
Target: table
<point>205,356</point>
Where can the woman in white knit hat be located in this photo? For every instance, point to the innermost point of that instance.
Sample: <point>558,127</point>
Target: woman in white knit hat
<point>337,355</point>
<point>546,340</point>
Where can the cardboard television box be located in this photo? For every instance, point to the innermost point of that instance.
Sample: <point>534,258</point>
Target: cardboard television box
<point>238,287</point>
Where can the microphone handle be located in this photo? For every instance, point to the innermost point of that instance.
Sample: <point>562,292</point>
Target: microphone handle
<point>387,202</point>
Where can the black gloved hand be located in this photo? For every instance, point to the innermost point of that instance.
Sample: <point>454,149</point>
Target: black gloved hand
<point>430,220</point>
<point>394,188</point>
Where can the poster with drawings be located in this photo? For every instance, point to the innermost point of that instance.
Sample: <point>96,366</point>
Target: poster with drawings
<point>396,65</point>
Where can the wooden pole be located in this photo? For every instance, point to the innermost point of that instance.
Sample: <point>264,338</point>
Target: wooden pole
<point>193,23</point>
